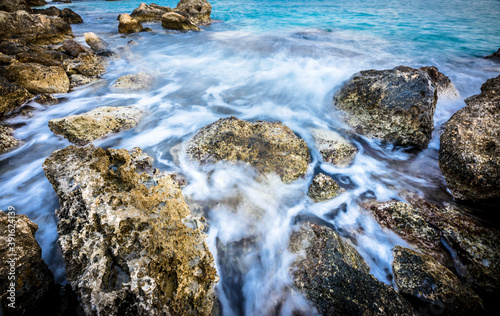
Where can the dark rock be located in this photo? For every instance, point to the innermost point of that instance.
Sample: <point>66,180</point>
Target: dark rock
<point>14,5</point>
<point>469,155</point>
<point>36,3</point>
<point>495,55</point>
<point>12,96</point>
<point>74,48</point>
<point>445,87</point>
<point>47,99</point>
<point>37,78</point>
<point>129,25</point>
<point>13,47</point>
<point>323,188</point>
<point>178,22</point>
<point>149,12</point>
<point>197,11</point>
<point>6,59</point>
<point>66,14</point>
<point>42,56</point>
<point>7,141</point>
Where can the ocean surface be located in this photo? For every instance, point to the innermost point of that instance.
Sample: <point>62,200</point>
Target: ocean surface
<point>275,61</point>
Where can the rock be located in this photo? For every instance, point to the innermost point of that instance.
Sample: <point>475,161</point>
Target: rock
<point>39,55</point>
<point>34,28</point>
<point>336,279</point>
<point>129,242</point>
<point>86,64</point>
<point>68,15</point>
<point>6,59</point>
<point>7,141</point>
<point>47,99</point>
<point>495,55</point>
<point>36,3</point>
<point>469,153</point>
<point>12,96</point>
<point>37,78</point>
<point>149,12</point>
<point>269,147</point>
<point>445,88</point>
<point>33,279</point>
<point>84,128</point>
<point>14,5</point>
<point>175,21</point>
<point>198,11</point>
<point>139,81</point>
<point>96,43</point>
<point>74,48</point>
<point>334,148</point>
<point>129,25</point>
<point>323,188</point>
<point>13,46</point>
<point>395,105</point>
<point>81,80</point>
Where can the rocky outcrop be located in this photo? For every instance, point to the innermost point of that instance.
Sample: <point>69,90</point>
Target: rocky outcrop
<point>36,3</point>
<point>334,148</point>
<point>336,279</point>
<point>431,287</point>
<point>495,55</point>
<point>469,155</point>
<point>84,128</point>
<point>139,81</point>
<point>97,44</point>
<point>14,5</point>
<point>149,12</point>
<point>74,48</point>
<point>37,78</point>
<point>87,64</point>
<point>178,22</point>
<point>128,25</point>
<point>395,105</point>
<point>323,188</point>
<point>129,242</point>
<point>445,88</point>
<point>81,80</point>
<point>269,147</point>
<point>68,15</point>
<point>197,11</point>
<point>12,96</point>
<point>7,141</point>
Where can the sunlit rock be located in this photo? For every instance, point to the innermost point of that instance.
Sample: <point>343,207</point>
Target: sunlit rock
<point>334,148</point>
<point>66,14</point>
<point>149,12</point>
<point>37,78</point>
<point>128,25</point>
<point>178,22</point>
<point>7,141</point>
<point>139,81</point>
<point>198,11</point>
<point>12,96</point>
<point>323,188</point>
<point>87,64</point>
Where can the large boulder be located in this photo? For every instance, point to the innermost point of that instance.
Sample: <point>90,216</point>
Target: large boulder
<point>84,128</point>
<point>7,141</point>
<point>334,148</point>
<point>66,14</point>
<point>198,11</point>
<point>469,155</point>
<point>41,55</point>
<point>12,96</point>
<point>149,12</point>
<point>178,22</point>
<point>14,5</point>
<point>139,81</point>
<point>395,105</point>
<point>129,242</point>
<point>128,25</point>
<point>37,78</point>
<point>34,28</point>
<point>269,147</point>
<point>336,279</point>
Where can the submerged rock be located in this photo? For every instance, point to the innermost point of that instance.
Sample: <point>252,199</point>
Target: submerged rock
<point>334,148</point>
<point>150,12</point>
<point>469,153</point>
<point>68,15</point>
<point>139,81</point>
<point>336,279</point>
<point>269,147</point>
<point>445,88</point>
<point>129,25</point>
<point>84,128</point>
<point>37,78</point>
<point>178,22</point>
<point>7,141</point>
<point>197,11</point>
<point>395,105</point>
<point>12,96</point>
<point>431,287</point>
<point>323,188</point>
<point>124,235</point>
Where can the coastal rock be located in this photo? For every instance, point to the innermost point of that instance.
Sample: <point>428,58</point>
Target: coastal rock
<point>7,141</point>
<point>74,48</point>
<point>6,59</point>
<point>12,96</point>
<point>445,88</point>
<point>68,15</point>
<point>129,242</point>
<point>34,28</point>
<point>178,22</point>
<point>81,80</point>
<point>395,105</point>
<point>269,147</point>
<point>87,64</point>
<point>430,286</point>
<point>139,81</point>
<point>40,55</point>
<point>334,148</point>
<point>129,25</point>
<point>149,12</point>
<point>84,128</point>
<point>33,279</point>
<point>14,5</point>
<point>495,55</point>
<point>336,279</point>
<point>13,46</point>
<point>198,11</point>
<point>323,188</point>
<point>37,78</point>
<point>96,43</point>
<point>36,3</point>
<point>47,99</point>
<point>469,153</point>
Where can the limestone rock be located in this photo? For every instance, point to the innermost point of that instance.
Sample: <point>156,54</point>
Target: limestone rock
<point>68,15</point>
<point>74,48</point>
<point>7,141</point>
<point>129,242</point>
<point>445,88</point>
<point>334,148</point>
<point>37,78</point>
<point>323,188</point>
<point>269,147</point>
<point>139,81</point>
<point>46,99</point>
<point>40,55</point>
<point>84,128</point>
<point>14,5</point>
<point>469,155</point>
<point>13,46</point>
<point>12,96</point>
<point>95,42</point>
<point>129,25</point>
<point>149,12</point>
<point>36,3</point>
<point>395,105</point>
<point>87,64</point>
<point>198,11</point>
<point>81,80</point>
<point>178,22</point>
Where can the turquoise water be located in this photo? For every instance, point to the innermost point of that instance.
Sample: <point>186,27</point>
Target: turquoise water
<point>264,60</point>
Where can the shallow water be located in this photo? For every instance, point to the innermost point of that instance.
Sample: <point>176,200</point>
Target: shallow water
<point>265,60</point>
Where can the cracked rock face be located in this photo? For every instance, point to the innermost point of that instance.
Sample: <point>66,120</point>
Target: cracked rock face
<point>129,242</point>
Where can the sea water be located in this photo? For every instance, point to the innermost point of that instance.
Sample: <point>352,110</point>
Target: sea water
<point>275,61</point>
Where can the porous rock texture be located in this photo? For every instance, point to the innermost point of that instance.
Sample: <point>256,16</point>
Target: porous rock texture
<point>178,22</point>
<point>37,78</point>
<point>198,11</point>
<point>139,81</point>
<point>149,12</point>
<point>334,148</point>
<point>323,188</point>
<point>7,141</point>
<point>12,96</point>
<point>66,14</point>
<point>128,25</point>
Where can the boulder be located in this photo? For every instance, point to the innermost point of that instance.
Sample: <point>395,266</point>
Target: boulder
<point>34,28</point>
<point>129,242</point>
<point>395,105</point>
<point>469,153</point>
<point>269,147</point>
<point>87,64</point>
<point>129,25</point>
<point>95,42</point>
<point>6,59</point>
<point>12,96</point>
<point>81,80</point>
<point>36,3</point>
<point>139,81</point>
<point>445,88</point>
<point>40,55</point>
<point>13,46</point>
<point>14,5</point>
<point>334,148</point>
<point>37,78</point>
<point>74,48</point>
<point>495,55</point>
<point>7,141</point>
<point>178,22</point>
<point>84,128</point>
<point>323,188</point>
<point>47,99</point>
<point>149,12</point>
<point>68,15</point>
<point>336,279</point>
<point>198,11</point>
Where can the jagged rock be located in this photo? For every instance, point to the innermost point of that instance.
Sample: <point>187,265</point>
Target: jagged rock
<point>495,55</point>
<point>66,14</point>
<point>430,286</point>
<point>7,141</point>
<point>336,279</point>
<point>395,105</point>
<point>269,147</point>
<point>445,88</point>
<point>14,5</point>
<point>37,78</point>
<point>40,55</point>
<point>47,99</point>
<point>198,11</point>
<point>149,12</point>
<point>13,47</point>
<point>130,245</point>
<point>81,80</point>
<point>6,59</point>
<point>21,253</point>
<point>74,48</point>
<point>84,128</point>
<point>139,81</point>
<point>86,64</point>
<point>96,43</point>
<point>36,3</point>
<point>34,28</point>
<point>323,188</point>
<point>178,22</point>
<point>469,155</point>
<point>334,148</point>
<point>12,96</point>
<point>128,25</point>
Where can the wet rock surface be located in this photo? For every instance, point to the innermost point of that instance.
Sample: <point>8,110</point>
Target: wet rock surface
<point>150,12</point>
<point>86,64</point>
<point>7,140</point>
<point>77,80</point>
<point>37,78</point>
<point>198,11</point>
<point>68,15</point>
<point>127,237</point>
<point>323,188</point>
<point>334,148</point>
<point>139,81</point>
<point>178,22</point>
<point>129,25</point>
<point>445,88</point>
<point>96,43</point>
<point>469,153</point>
<point>495,55</point>
<point>12,96</point>
<point>269,147</point>
<point>395,105</point>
